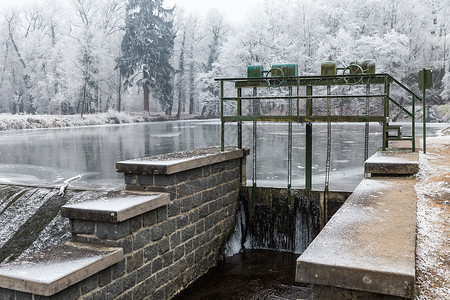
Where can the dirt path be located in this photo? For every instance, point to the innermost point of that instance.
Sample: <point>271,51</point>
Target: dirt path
<point>433,220</point>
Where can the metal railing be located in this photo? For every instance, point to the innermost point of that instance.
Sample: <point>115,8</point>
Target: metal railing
<point>309,82</point>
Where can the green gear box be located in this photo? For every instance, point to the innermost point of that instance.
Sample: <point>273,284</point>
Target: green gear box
<point>255,71</point>
<point>287,70</point>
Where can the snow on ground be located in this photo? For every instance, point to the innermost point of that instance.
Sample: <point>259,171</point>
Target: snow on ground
<point>14,122</point>
<point>433,221</point>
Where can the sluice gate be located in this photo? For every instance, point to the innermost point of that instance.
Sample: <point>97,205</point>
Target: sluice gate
<point>280,95</point>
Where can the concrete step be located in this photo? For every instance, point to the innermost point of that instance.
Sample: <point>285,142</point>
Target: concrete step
<point>392,163</point>
<point>367,249</point>
<point>55,269</point>
<point>116,208</point>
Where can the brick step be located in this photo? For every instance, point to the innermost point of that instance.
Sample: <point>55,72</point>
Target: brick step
<point>51,271</point>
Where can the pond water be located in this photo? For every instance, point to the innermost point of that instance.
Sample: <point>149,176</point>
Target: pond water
<point>250,275</point>
<point>50,156</point>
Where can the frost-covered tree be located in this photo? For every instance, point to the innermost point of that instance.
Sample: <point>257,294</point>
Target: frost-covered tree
<point>187,60</point>
<point>88,58</point>
<point>147,49</point>
<point>19,80</point>
<point>55,54</point>
<point>215,31</point>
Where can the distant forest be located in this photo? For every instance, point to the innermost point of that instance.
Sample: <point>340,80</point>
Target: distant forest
<point>86,56</point>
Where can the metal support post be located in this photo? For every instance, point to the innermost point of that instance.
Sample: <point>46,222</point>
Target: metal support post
<point>328,162</point>
<point>413,123</point>
<point>222,128</point>
<point>239,129</point>
<point>298,98</point>
<point>289,185</point>
<point>308,163</point>
<point>367,126</point>
<point>239,113</point>
<point>386,114</point>
<point>424,137</point>
<point>255,142</point>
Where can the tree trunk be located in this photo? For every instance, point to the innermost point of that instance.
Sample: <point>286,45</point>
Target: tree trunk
<point>146,89</point>
<point>119,104</point>
<point>191,81</point>
<point>191,89</point>
<point>179,105</point>
<point>84,98</point>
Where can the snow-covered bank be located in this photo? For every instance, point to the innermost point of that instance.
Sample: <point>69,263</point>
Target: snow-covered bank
<point>15,122</point>
<point>433,220</point>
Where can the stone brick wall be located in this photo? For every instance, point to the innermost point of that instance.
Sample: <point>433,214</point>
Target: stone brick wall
<point>164,249</point>
<point>168,248</point>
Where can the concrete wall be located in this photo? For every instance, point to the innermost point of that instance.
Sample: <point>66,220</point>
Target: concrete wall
<point>167,248</point>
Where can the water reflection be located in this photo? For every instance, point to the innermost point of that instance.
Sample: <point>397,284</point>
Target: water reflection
<point>50,156</point>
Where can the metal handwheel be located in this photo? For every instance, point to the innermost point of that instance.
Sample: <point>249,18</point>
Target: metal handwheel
<point>271,80</point>
<point>352,80</point>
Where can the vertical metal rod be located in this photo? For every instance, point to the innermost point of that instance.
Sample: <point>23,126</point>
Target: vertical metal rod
<point>424,115</point>
<point>308,166</point>
<point>239,113</point>
<point>367,126</point>
<point>309,91</point>
<point>413,124</point>
<point>222,129</point>
<point>239,129</point>
<point>328,161</point>
<point>289,145</point>
<point>255,112</point>
<point>386,114</point>
<point>298,99</point>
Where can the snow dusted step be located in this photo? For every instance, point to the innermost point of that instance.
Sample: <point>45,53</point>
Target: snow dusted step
<point>367,249</point>
<point>393,162</point>
<point>173,163</point>
<point>123,206</point>
<point>55,269</point>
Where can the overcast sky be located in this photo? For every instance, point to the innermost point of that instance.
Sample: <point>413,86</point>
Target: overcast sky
<point>234,10</point>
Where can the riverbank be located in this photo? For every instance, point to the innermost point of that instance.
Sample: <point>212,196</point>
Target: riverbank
<point>433,220</point>
<point>16,122</point>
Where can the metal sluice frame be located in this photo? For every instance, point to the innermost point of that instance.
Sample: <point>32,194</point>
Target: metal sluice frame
<point>309,82</point>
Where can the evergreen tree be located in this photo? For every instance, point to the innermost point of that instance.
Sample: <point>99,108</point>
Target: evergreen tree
<point>148,45</point>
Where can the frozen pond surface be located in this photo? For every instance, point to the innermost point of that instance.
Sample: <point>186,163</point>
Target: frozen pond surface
<point>50,156</point>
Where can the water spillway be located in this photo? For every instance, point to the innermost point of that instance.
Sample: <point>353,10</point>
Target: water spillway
<point>24,214</point>
<point>30,218</point>
<point>282,223</point>
<point>275,221</point>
